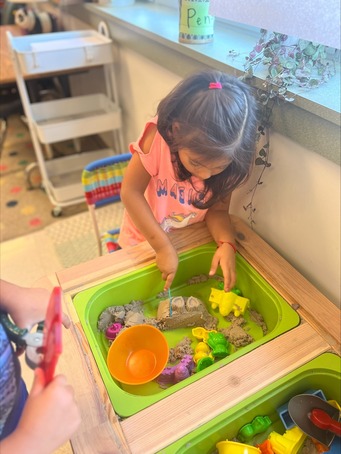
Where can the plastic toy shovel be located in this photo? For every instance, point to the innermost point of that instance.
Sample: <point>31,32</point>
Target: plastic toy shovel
<point>315,417</point>
<point>52,335</point>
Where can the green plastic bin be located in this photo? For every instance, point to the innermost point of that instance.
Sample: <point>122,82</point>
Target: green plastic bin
<point>322,373</point>
<point>145,284</point>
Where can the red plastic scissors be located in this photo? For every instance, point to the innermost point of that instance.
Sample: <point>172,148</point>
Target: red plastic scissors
<point>52,335</point>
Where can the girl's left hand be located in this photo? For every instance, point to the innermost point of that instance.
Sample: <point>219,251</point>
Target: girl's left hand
<point>225,257</point>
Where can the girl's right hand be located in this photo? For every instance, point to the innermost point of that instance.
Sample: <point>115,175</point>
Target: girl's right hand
<point>167,261</point>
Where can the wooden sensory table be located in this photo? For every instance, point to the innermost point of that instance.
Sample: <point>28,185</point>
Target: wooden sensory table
<point>164,422</point>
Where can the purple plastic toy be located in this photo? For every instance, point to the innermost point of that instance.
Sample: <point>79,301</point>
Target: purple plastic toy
<point>113,330</point>
<point>174,374</point>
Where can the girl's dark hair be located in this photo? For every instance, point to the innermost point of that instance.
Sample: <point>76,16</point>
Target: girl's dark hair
<point>212,123</point>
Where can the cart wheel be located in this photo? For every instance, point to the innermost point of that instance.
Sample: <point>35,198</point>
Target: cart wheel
<point>33,176</point>
<point>56,212</point>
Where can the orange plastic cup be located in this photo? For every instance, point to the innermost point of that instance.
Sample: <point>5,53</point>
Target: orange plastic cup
<point>138,355</point>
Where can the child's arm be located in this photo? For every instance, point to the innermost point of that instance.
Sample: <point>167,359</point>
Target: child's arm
<point>135,182</point>
<point>26,306</point>
<point>219,224</point>
<point>49,419</point>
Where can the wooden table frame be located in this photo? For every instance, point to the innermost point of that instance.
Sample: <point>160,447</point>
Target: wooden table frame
<point>7,74</point>
<point>102,431</point>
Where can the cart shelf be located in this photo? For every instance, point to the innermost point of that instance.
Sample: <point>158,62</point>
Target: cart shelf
<point>79,116</point>
<point>61,51</point>
<point>63,182</point>
<point>70,117</point>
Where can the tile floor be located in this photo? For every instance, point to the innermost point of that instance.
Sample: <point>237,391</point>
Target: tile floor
<point>24,211</point>
<point>26,259</point>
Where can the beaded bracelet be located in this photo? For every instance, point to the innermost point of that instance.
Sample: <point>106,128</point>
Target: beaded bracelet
<point>227,242</point>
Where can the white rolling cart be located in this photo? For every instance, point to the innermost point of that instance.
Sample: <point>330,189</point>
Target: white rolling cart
<point>68,118</point>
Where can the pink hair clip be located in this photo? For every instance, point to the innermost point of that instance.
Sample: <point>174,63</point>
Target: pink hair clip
<point>215,85</point>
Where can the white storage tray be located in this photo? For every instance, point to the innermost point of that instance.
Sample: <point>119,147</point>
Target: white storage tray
<point>79,116</point>
<point>65,175</point>
<point>59,51</point>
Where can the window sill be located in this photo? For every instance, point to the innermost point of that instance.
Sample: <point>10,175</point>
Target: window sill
<point>312,120</point>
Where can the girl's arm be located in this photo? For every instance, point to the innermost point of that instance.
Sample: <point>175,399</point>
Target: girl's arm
<point>134,184</point>
<point>219,224</point>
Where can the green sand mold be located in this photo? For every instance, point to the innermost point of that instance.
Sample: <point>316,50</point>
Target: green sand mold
<point>145,284</point>
<point>322,373</point>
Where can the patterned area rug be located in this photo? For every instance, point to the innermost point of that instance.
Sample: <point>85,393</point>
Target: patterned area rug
<point>74,239</point>
<point>24,210</point>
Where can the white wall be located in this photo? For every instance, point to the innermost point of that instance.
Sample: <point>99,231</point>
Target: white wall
<point>298,212</point>
<point>298,205</point>
<point>142,84</point>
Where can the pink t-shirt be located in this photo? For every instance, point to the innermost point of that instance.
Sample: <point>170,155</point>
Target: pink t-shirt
<point>168,199</point>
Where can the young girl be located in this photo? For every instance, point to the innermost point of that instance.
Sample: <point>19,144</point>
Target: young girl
<point>185,165</point>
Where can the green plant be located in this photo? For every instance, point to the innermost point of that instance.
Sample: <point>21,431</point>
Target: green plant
<point>288,64</point>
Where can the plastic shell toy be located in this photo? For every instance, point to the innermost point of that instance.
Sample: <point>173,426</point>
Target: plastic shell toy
<point>201,351</point>
<point>218,344</point>
<point>227,302</point>
<point>232,447</point>
<point>289,443</point>
<point>202,333</point>
<point>258,425</point>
